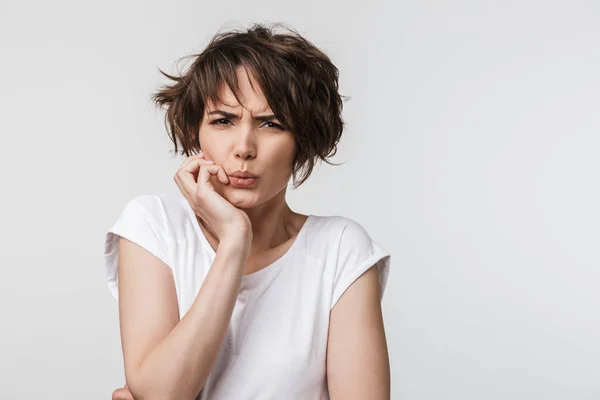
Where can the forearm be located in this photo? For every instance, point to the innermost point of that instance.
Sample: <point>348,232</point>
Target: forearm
<point>179,365</point>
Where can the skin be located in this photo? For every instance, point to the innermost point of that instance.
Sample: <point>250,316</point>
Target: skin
<point>357,355</point>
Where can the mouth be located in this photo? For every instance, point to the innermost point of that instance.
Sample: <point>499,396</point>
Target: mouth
<point>242,182</point>
<point>243,174</point>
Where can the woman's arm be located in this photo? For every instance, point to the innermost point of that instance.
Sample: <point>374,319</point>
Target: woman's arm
<point>357,356</point>
<point>166,358</point>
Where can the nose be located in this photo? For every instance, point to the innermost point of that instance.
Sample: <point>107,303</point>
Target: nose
<point>244,155</point>
<point>245,146</point>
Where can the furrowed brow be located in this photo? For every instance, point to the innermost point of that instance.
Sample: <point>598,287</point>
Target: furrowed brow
<point>268,117</point>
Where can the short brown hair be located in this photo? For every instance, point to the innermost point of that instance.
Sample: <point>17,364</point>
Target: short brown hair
<point>299,81</point>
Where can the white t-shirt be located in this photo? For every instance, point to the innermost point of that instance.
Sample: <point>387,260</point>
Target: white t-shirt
<point>276,342</point>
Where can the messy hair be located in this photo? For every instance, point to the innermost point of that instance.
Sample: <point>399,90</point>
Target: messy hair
<point>299,81</point>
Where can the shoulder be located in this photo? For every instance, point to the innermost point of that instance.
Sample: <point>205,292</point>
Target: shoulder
<point>156,222</point>
<point>152,220</point>
<point>349,251</point>
<point>143,206</point>
<point>353,241</point>
<point>340,240</point>
<point>160,206</point>
<point>168,213</point>
<point>340,229</point>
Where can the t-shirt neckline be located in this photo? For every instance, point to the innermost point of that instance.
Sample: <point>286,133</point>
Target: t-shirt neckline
<point>263,271</point>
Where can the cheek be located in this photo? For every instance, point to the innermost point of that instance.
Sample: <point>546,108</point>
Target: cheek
<point>284,153</point>
<point>281,168</point>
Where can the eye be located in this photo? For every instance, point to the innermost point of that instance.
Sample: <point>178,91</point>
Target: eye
<point>218,121</point>
<point>225,121</point>
<point>274,125</point>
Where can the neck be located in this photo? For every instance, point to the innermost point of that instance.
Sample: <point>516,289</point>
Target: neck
<point>272,223</point>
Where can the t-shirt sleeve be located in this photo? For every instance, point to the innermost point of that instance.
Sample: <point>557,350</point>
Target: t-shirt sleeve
<point>137,224</point>
<point>357,253</point>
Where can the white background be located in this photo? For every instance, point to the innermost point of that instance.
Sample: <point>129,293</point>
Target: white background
<point>472,154</point>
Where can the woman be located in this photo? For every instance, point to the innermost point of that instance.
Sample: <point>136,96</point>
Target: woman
<point>225,292</point>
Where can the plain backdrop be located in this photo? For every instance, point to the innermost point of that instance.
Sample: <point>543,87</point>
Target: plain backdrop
<point>472,154</point>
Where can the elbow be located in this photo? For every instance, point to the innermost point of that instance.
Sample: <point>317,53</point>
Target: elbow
<point>138,390</point>
<point>142,390</point>
<point>146,394</point>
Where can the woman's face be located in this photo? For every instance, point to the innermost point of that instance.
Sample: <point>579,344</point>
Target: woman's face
<point>248,138</point>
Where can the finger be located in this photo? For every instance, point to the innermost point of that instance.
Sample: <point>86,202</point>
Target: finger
<point>222,175</point>
<point>192,166</point>
<point>207,171</point>
<point>191,159</point>
<point>201,154</point>
<point>187,176</point>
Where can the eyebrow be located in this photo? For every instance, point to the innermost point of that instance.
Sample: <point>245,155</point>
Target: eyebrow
<point>268,117</point>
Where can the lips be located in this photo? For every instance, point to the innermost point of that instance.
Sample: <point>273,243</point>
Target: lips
<point>243,175</point>
<point>242,182</point>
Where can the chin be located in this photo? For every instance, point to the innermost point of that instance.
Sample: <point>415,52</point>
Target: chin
<point>241,198</point>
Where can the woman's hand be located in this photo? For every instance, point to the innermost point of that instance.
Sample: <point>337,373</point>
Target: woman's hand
<point>226,220</point>
<point>122,394</point>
